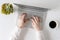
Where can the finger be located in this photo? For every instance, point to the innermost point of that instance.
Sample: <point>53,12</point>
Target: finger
<point>33,22</point>
<point>34,18</point>
<point>24,15</point>
<point>38,19</point>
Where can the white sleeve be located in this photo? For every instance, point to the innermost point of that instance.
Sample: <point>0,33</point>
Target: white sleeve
<point>15,35</point>
<point>39,35</point>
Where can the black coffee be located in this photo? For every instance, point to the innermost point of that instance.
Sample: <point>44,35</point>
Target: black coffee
<point>52,24</point>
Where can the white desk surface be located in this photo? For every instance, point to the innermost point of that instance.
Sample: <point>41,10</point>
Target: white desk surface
<point>8,23</point>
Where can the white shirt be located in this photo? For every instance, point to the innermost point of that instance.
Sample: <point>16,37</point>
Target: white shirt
<point>16,34</point>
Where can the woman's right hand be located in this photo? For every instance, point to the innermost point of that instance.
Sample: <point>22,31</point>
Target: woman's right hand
<point>36,23</point>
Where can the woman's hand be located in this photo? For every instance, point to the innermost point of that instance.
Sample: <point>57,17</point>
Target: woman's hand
<point>22,20</point>
<point>36,23</point>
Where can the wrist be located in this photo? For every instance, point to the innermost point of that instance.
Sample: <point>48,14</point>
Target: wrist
<point>37,28</point>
